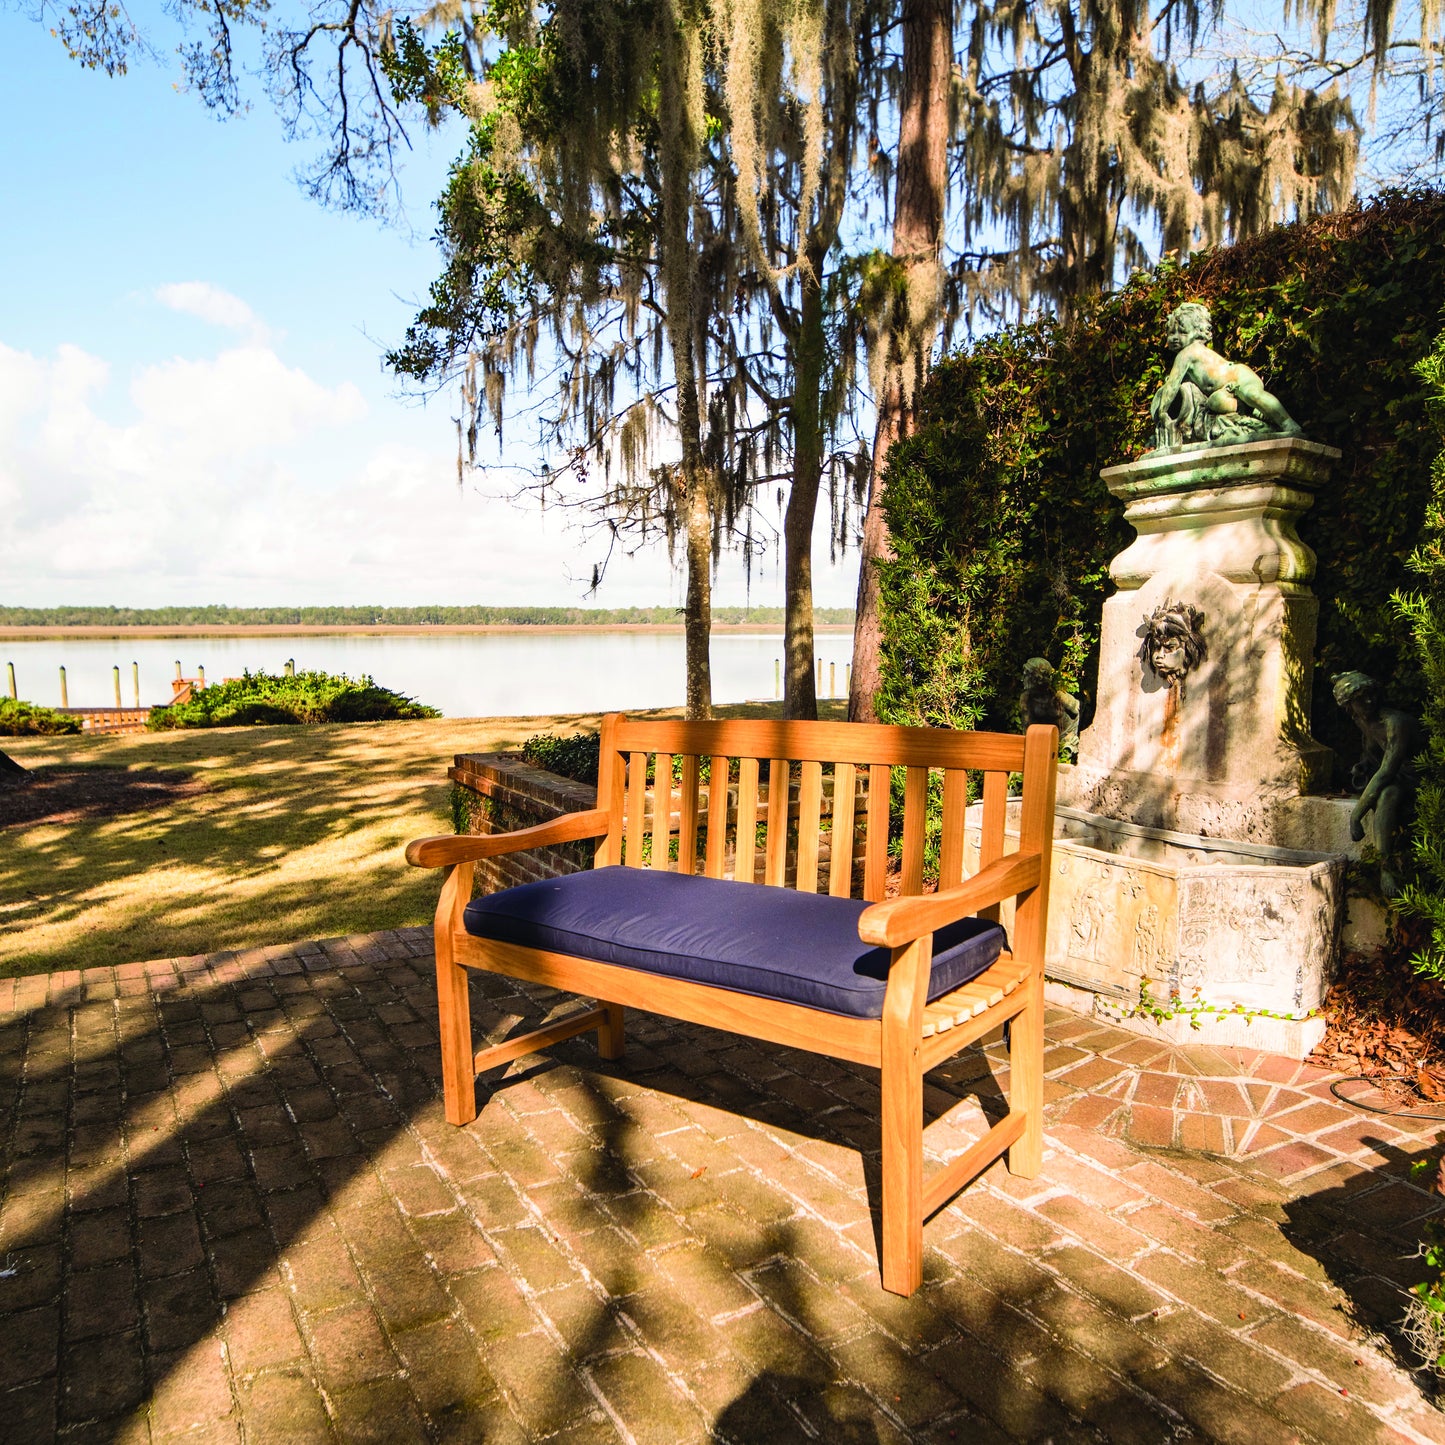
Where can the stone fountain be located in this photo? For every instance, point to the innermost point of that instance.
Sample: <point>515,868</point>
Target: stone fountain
<point>1195,860</point>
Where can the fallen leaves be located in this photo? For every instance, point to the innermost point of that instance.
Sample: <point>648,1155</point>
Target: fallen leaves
<point>1386,1023</point>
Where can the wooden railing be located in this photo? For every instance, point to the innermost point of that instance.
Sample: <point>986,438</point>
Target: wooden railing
<point>109,719</point>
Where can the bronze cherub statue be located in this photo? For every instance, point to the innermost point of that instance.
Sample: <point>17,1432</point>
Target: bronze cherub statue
<point>1207,400</point>
<point>1386,775</point>
<point>1042,702</point>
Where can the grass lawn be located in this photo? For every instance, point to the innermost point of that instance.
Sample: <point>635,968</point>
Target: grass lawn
<point>232,837</point>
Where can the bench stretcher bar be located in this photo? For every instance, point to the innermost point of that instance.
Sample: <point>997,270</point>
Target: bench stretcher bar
<point>565,1028</point>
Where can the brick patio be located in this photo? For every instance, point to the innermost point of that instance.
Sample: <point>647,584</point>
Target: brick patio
<point>232,1209</point>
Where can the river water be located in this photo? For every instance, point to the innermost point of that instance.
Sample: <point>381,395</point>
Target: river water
<point>489,674</point>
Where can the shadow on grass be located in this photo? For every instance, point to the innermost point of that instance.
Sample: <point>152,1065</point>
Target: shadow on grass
<point>280,814</point>
<point>266,840</point>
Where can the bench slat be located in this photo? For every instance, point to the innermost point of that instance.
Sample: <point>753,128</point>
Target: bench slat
<point>662,812</point>
<point>776,857</point>
<point>955,806</point>
<point>687,828</point>
<point>995,808</point>
<point>875,854</point>
<point>810,811</point>
<point>840,857</point>
<point>717,817</point>
<point>969,1000</point>
<point>746,859</point>
<point>636,807</point>
<point>915,811</point>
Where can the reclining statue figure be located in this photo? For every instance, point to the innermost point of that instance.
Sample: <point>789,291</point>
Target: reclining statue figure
<point>1206,400</point>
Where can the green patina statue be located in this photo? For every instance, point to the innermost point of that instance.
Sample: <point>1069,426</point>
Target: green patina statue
<point>1042,702</point>
<point>1386,775</point>
<point>1207,401</point>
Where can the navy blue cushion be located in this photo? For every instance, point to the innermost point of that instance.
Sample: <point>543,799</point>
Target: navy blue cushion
<point>769,942</point>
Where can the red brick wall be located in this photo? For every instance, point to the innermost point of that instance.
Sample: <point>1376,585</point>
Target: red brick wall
<point>497,793</point>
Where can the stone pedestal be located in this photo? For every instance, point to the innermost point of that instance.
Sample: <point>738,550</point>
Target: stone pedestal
<point>1198,886</point>
<point>1221,754</point>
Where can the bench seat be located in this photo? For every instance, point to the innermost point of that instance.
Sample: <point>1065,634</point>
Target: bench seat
<point>768,942</point>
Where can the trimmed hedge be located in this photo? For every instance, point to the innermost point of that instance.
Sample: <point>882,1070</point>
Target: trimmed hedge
<point>576,757</point>
<point>21,719</point>
<point>260,698</point>
<point>1003,532</point>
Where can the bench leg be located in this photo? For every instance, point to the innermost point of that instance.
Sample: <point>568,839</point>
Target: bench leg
<point>1026,1082</point>
<point>459,1079</point>
<point>902,1110</point>
<point>610,1042</point>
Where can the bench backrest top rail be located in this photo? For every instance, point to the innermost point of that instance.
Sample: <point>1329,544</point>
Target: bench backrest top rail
<point>824,742</point>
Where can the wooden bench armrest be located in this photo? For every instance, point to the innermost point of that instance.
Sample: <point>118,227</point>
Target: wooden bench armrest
<point>450,848</point>
<point>900,920</point>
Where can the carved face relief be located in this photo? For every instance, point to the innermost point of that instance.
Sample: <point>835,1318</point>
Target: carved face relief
<point>1173,644</point>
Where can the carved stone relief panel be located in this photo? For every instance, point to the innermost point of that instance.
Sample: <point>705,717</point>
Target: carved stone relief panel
<point>1111,920</point>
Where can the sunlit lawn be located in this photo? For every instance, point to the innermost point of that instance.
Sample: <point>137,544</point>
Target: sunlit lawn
<point>297,834</point>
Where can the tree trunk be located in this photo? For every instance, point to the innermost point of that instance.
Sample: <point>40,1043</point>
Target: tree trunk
<point>921,186</point>
<point>698,618</point>
<point>800,693</point>
<point>697,509</point>
<point>877,547</point>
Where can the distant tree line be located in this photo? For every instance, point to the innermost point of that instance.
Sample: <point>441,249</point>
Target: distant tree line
<point>217,616</point>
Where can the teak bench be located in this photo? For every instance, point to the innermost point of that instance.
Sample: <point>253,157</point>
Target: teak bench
<point>790,966</point>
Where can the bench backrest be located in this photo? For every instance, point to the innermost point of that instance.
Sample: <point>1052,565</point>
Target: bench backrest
<point>836,778</point>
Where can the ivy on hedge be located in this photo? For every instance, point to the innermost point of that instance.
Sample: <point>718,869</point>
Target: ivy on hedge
<point>1003,532</point>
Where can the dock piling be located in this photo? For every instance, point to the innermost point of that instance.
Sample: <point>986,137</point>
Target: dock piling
<point>64,691</point>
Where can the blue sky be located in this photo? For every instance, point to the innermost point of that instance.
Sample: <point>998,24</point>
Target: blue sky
<point>192,405</point>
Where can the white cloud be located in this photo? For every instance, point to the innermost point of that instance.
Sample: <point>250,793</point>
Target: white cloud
<point>211,304</point>
<point>246,399</point>
<point>238,478</point>
<point>207,451</point>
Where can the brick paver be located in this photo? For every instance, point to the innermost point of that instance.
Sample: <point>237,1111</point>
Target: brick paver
<point>232,1209</point>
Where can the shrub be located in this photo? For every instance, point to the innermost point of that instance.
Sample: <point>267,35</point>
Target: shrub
<point>574,757</point>
<point>1003,531</point>
<point>1423,610</point>
<point>578,757</point>
<point>308,697</point>
<point>21,719</point>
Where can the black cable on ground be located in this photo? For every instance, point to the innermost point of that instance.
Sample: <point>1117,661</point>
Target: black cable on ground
<point>1374,1109</point>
